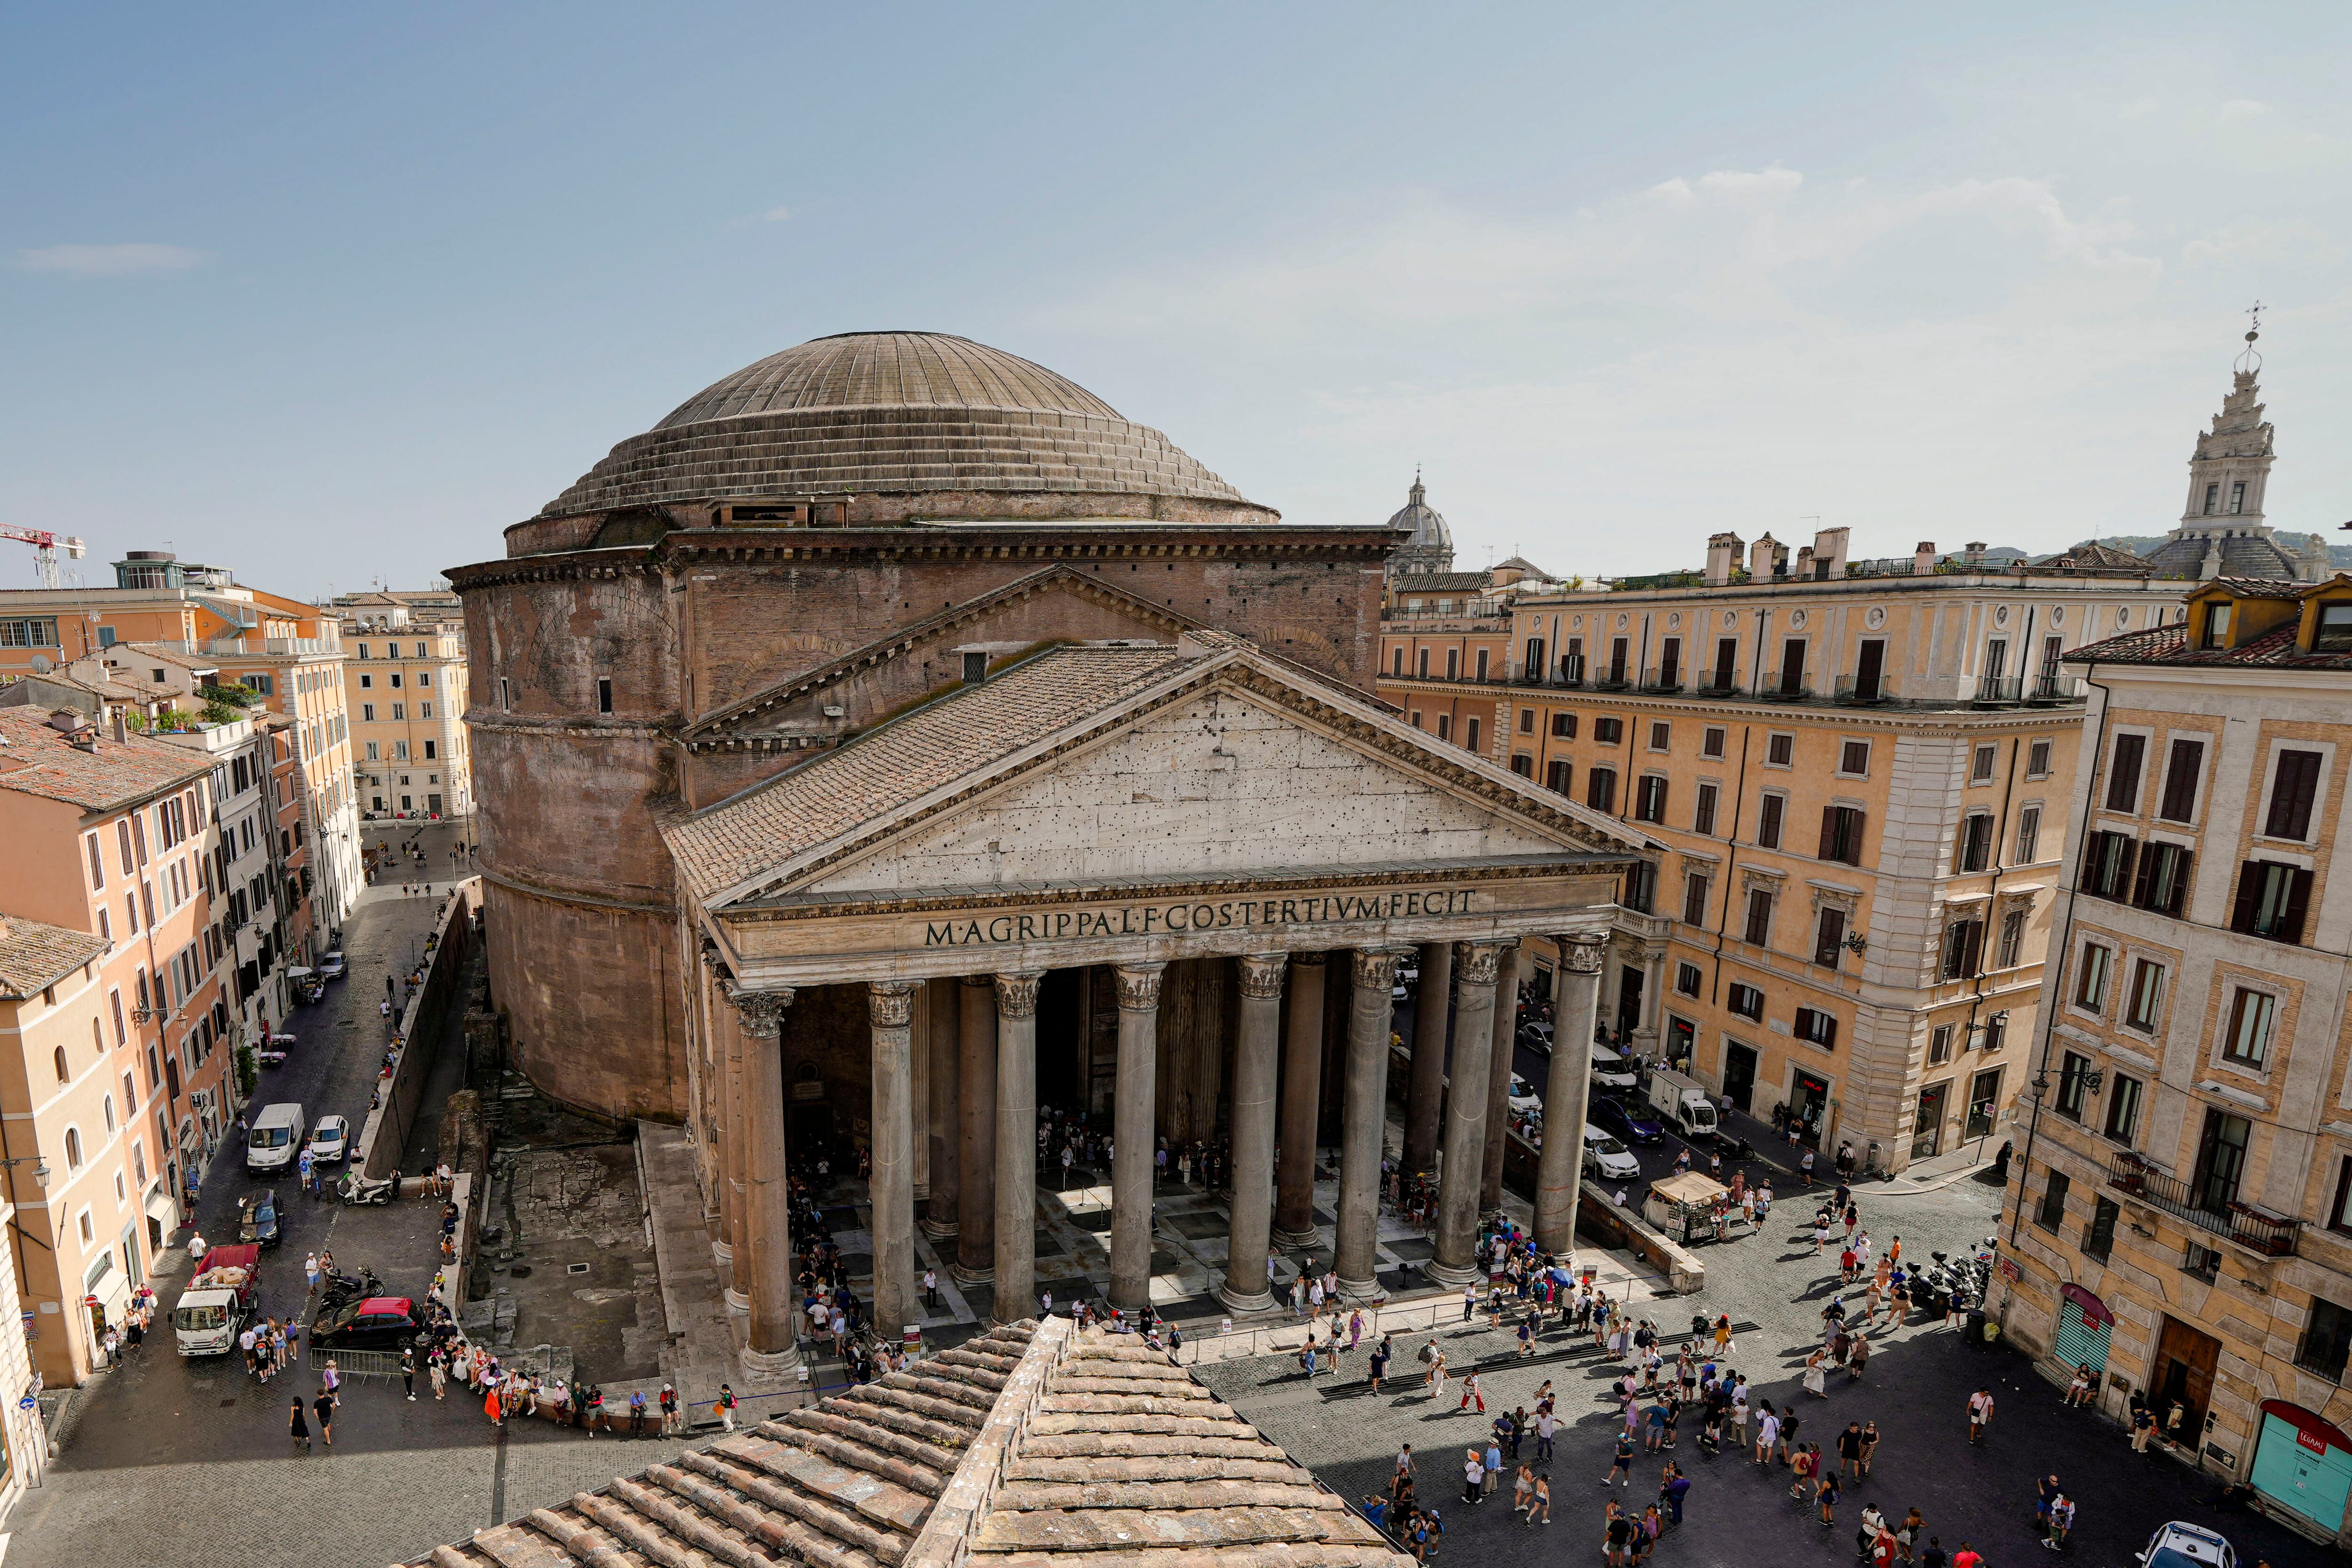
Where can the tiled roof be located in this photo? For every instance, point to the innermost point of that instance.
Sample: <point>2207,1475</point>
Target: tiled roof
<point>163,654</point>
<point>36,759</point>
<point>2092,556</point>
<point>2169,644</point>
<point>1440,583</point>
<point>33,954</point>
<point>1025,1448</point>
<point>898,763</point>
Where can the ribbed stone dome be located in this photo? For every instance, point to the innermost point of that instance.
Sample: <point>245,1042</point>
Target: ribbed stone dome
<point>890,412</point>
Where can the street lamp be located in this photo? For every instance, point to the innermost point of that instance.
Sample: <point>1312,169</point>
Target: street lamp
<point>41,1168</point>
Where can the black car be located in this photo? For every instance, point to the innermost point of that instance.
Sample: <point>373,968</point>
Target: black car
<point>373,1323</point>
<point>257,1218</point>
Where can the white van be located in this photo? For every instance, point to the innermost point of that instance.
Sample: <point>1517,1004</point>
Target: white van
<point>1611,1070</point>
<point>275,1141</point>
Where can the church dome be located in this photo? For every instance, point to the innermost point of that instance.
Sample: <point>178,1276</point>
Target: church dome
<point>897,411</point>
<point>1429,531</point>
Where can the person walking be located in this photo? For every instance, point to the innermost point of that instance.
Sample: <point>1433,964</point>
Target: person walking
<point>1474,1476</point>
<point>1545,1425</point>
<point>1826,1494</point>
<point>1768,1433</point>
<point>932,1289</point>
<point>311,1272</point>
<point>726,1407</point>
<point>408,1373</point>
<point>1471,1391</point>
<point>1849,1447</point>
<point>1542,1504</point>
<point>437,1373</point>
<point>670,1422</point>
<point>2143,1427</point>
<point>1980,1417</point>
<point>1620,1469</point>
<point>323,1407</point>
<point>301,1426</point>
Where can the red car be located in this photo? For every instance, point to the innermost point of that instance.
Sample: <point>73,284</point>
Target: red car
<point>375,1324</point>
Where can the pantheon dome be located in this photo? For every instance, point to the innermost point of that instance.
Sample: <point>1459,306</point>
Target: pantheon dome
<point>893,413</point>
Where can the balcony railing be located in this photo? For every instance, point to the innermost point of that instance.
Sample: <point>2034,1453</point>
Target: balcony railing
<point>1789,687</point>
<point>1611,679</point>
<point>2052,687</point>
<point>2273,1236</point>
<point>1666,678</point>
<point>1852,692</point>
<point>1715,685</point>
<point>2000,688</point>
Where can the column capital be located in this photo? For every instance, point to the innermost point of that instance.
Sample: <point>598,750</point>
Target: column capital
<point>1309,960</point>
<point>1016,993</point>
<point>1476,962</point>
<point>711,959</point>
<point>1262,976</point>
<point>763,1011</point>
<point>1581,953</point>
<point>891,1003</point>
<point>977,979</point>
<point>1376,967</point>
<point>1138,987</point>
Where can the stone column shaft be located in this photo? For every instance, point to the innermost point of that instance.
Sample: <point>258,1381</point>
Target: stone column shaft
<point>944,1133</point>
<point>1498,1078</point>
<point>1302,1094</point>
<point>1363,1118</point>
<point>736,1155</point>
<point>976,1198</point>
<point>1016,1145</point>
<point>1465,1163</point>
<point>1257,1044</point>
<point>1132,1135</point>
<point>768,1188</point>
<point>1427,1094</point>
<point>1576,992</point>
<point>891,1189</point>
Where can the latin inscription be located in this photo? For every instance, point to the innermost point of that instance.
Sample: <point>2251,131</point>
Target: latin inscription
<point>1156,920</point>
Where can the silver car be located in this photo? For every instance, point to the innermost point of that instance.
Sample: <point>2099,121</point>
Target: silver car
<point>331,1141</point>
<point>1605,1157</point>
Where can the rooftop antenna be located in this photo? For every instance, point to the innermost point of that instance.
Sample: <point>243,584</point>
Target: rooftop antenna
<point>2250,360</point>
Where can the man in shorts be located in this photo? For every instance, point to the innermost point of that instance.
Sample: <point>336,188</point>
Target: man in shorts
<point>1980,1417</point>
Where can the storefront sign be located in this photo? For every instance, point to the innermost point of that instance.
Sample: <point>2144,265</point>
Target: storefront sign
<point>1179,918</point>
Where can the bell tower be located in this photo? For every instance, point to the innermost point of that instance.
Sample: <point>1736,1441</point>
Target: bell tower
<point>2231,465</point>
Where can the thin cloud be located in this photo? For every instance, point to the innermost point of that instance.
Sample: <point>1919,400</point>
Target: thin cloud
<point>776,215</point>
<point>110,261</point>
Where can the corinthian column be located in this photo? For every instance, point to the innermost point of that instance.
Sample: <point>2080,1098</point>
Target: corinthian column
<point>1576,991</point>
<point>1302,1095</point>
<point>1498,1077</point>
<point>1016,1144</point>
<point>890,1003</point>
<point>1363,1118</point>
<point>976,1203</point>
<point>1427,1082</point>
<point>1465,1118</point>
<point>1130,1166</point>
<point>768,1205</point>
<point>945,1133</point>
<point>1256,1044</point>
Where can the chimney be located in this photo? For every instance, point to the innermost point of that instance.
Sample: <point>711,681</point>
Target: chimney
<point>1805,563</point>
<point>1972,552</point>
<point>1763,558</point>
<point>1829,554</point>
<point>1723,554</point>
<point>122,730</point>
<point>1923,559</point>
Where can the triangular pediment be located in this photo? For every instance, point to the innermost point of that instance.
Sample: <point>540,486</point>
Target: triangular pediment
<point>1207,761</point>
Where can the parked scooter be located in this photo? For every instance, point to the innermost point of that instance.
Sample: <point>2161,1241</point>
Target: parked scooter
<point>355,1188</point>
<point>338,1287</point>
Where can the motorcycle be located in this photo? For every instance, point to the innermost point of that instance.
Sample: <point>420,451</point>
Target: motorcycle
<point>355,1188</point>
<point>338,1287</point>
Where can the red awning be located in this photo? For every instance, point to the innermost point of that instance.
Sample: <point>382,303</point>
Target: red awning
<point>2094,1312</point>
<point>2313,1432</point>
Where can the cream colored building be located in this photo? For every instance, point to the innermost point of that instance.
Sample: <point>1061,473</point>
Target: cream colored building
<point>404,689</point>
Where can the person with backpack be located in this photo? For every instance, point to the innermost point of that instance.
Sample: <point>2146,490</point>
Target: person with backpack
<point>727,1407</point>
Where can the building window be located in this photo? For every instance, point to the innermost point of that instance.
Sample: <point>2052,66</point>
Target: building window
<point>1617,651</point>
<point>1608,732</point>
<point>2212,499</point>
<point>1600,788</point>
<point>1769,813</point>
<point>2124,762</point>
<point>1445,726</point>
<point>65,1073</point>
<point>2179,803</point>
<point>1779,749</point>
<point>1660,735</point>
<point>2294,787</point>
<point>1745,1000</point>
<point>1421,663</point>
<point>506,693</point>
<point>1641,889</point>
<point>1650,799</point>
<point>2029,834</point>
<point>2072,1088</point>
<point>1521,763</point>
<point>2052,1211</point>
<point>2253,1013</point>
<point>1482,663</point>
<point>1939,1044</point>
<point>1853,759</point>
<point>1817,1028</point>
<point>1556,775</point>
<point>2108,865</point>
<point>1396,661</point>
<point>2012,939</point>
<point>1703,810</point>
<point>1963,946</point>
<point>1452,664</point>
<point>1759,929</point>
<point>1695,889</point>
<point>2099,1236</point>
<point>2326,1339</point>
<point>2037,760</point>
<point>1470,735</point>
<point>2271,900</point>
<point>432,751</point>
<point>2143,1003</point>
<point>2340,1213</point>
<point>2123,1108</point>
<point>2334,633</point>
<point>1842,834</point>
<point>2162,884</point>
<point>2237,497</point>
<point>1980,764</point>
<point>1976,842</point>
<point>1527,721</point>
<point>1710,740</point>
<point>2221,1160</point>
<point>1563,726</point>
<point>1688,978</point>
<point>73,1148</point>
<point>2090,984</point>
<point>1829,936</point>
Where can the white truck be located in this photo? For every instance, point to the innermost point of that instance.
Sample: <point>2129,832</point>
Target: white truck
<point>1684,1101</point>
<point>218,1301</point>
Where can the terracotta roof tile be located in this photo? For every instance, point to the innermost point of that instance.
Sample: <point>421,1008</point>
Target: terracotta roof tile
<point>2168,644</point>
<point>33,954</point>
<point>36,759</point>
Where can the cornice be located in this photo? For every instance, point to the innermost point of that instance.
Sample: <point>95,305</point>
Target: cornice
<point>562,896</point>
<point>559,566</point>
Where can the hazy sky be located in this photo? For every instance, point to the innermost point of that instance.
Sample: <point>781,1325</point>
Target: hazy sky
<point>334,293</point>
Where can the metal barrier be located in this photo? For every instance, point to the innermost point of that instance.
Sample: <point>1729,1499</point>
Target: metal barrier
<point>353,1363</point>
<point>1425,1313</point>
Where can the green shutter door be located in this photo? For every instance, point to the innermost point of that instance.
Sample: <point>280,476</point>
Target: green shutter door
<point>2081,1342</point>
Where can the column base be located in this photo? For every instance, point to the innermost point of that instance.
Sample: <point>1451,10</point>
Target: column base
<point>738,1303</point>
<point>1261,1302</point>
<point>1300,1239</point>
<point>781,1363</point>
<point>963,1276</point>
<point>723,1254</point>
<point>939,1229</point>
<point>1360,1290</point>
<point>1437,1273</point>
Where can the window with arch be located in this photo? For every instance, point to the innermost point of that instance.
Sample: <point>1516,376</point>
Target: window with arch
<point>65,1074</point>
<point>73,1148</point>
<point>109,1113</point>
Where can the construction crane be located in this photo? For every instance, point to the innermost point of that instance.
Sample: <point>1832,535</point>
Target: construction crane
<point>45,549</point>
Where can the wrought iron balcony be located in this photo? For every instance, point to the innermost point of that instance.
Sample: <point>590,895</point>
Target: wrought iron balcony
<point>1852,693</point>
<point>2054,686</point>
<point>1612,681</point>
<point>1666,678</point>
<point>1785,687</point>
<point>2000,688</point>
<point>2256,1230</point>
<point>1715,685</point>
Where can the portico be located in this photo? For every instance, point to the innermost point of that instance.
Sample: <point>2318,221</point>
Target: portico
<point>1167,887</point>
